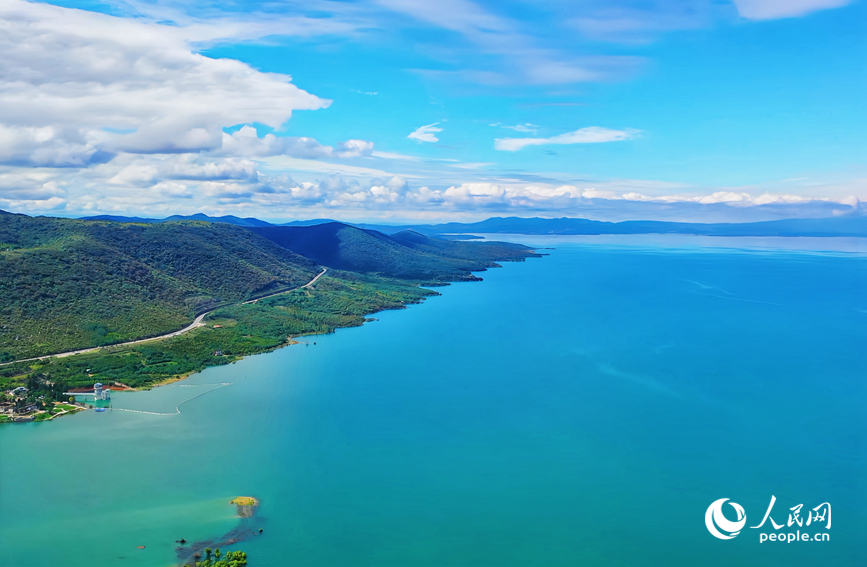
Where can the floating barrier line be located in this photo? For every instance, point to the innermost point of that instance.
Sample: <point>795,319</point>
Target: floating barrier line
<point>178,407</point>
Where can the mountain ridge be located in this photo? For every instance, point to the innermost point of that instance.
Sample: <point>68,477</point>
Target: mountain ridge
<point>70,283</point>
<point>855,225</point>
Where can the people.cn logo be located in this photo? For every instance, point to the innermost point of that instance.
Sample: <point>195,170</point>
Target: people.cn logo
<point>721,527</point>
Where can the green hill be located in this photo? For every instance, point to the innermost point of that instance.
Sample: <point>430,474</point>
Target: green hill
<point>408,255</point>
<point>69,284</point>
<point>480,251</point>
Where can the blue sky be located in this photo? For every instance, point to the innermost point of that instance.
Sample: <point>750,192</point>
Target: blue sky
<point>404,109</point>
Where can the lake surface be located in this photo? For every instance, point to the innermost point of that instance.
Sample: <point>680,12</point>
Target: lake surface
<point>581,409</point>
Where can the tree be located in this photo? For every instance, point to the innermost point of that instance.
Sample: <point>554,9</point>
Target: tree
<point>231,559</point>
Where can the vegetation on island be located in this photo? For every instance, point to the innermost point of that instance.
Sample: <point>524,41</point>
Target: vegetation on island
<point>216,559</point>
<point>246,505</point>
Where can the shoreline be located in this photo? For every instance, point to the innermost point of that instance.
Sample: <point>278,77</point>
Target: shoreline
<point>290,341</point>
<point>245,329</point>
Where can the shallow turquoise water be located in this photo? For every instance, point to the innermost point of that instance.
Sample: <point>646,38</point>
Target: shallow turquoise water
<point>581,409</point>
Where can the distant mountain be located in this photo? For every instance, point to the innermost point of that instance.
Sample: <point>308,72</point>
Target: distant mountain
<point>228,219</point>
<point>311,222</point>
<point>835,226</point>
<point>411,256</point>
<point>114,218</point>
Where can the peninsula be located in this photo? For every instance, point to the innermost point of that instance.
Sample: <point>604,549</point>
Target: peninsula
<point>132,305</point>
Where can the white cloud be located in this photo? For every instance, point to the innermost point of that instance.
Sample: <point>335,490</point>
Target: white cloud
<point>593,193</point>
<point>521,127</point>
<point>589,135</point>
<point>148,170</point>
<point>734,198</point>
<point>392,155</point>
<point>471,165</point>
<point>76,83</point>
<point>410,158</point>
<point>50,146</point>
<point>245,142</point>
<point>426,133</point>
<point>774,9</point>
<point>149,185</point>
<point>29,185</point>
<point>524,58</point>
<point>626,22</point>
<point>476,194</point>
<point>285,163</point>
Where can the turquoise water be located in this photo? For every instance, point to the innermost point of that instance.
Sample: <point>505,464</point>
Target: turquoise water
<point>581,409</point>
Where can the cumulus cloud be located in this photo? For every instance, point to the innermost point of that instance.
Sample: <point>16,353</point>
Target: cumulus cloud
<point>30,185</point>
<point>80,87</point>
<point>245,142</point>
<point>145,171</point>
<point>476,194</point>
<point>135,117</point>
<point>774,9</point>
<point>589,135</point>
<point>339,192</point>
<point>125,85</point>
<point>47,146</point>
<point>149,184</point>
<point>426,133</point>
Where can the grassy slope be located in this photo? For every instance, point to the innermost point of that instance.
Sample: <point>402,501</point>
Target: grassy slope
<point>338,300</point>
<point>69,284</point>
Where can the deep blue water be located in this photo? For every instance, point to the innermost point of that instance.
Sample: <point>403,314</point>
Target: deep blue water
<point>580,409</point>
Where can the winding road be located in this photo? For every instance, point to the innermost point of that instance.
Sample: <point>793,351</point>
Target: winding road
<point>307,285</point>
<point>194,325</point>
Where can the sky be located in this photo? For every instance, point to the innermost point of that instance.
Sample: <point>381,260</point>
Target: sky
<point>411,110</point>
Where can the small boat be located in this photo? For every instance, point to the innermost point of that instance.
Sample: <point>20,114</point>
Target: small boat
<point>100,409</point>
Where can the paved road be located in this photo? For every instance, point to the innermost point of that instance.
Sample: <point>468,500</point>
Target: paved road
<point>308,284</point>
<point>195,324</point>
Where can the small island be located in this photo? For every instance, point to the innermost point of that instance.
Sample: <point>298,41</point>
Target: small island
<point>246,505</point>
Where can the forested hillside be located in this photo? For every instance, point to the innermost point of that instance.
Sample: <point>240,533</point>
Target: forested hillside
<point>71,284</point>
<point>476,250</point>
<point>411,256</point>
<point>68,284</point>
